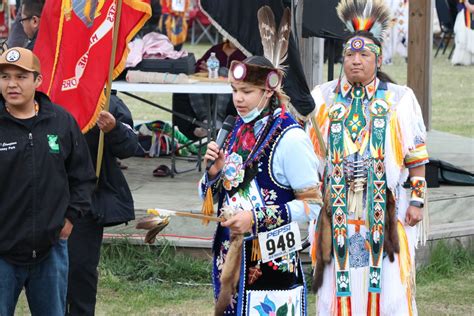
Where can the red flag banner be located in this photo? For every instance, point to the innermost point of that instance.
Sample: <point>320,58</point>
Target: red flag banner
<point>74,45</point>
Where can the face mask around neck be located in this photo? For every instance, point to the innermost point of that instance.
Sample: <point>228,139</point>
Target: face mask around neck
<point>254,113</point>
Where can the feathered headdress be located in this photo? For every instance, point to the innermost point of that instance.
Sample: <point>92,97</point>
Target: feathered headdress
<point>275,48</point>
<point>365,15</point>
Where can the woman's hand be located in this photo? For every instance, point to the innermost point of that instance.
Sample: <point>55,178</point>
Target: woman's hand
<point>240,223</point>
<point>203,67</point>
<point>213,153</point>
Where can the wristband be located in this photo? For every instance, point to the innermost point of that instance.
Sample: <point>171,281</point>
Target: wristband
<point>417,204</point>
<point>418,188</point>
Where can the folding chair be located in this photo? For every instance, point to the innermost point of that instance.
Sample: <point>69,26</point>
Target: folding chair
<point>199,21</point>
<point>446,16</point>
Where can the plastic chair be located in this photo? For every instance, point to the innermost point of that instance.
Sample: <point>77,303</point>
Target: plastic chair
<point>199,21</point>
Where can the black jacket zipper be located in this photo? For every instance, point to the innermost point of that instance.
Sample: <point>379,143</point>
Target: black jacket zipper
<point>30,138</point>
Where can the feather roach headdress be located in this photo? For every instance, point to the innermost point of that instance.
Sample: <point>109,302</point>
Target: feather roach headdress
<point>371,16</point>
<point>275,48</point>
<point>365,15</point>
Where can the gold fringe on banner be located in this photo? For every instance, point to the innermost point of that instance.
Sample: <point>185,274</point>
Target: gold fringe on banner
<point>87,10</point>
<point>67,9</point>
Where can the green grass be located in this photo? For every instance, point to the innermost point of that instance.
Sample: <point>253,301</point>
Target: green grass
<point>151,263</point>
<point>445,286</point>
<point>446,260</point>
<point>153,281</point>
<point>117,297</point>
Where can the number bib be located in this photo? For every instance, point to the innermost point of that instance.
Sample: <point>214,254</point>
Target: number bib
<point>280,242</point>
<point>178,5</point>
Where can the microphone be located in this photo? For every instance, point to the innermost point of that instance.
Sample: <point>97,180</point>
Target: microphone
<point>227,127</point>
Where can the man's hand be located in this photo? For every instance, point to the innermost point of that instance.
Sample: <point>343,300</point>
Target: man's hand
<point>67,229</point>
<point>106,121</point>
<point>414,215</point>
<point>240,223</point>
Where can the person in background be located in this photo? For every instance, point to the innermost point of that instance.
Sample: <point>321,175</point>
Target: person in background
<point>16,37</point>
<point>112,204</point>
<point>464,34</point>
<point>47,182</point>
<point>173,21</point>
<point>396,42</point>
<point>196,105</point>
<point>30,19</point>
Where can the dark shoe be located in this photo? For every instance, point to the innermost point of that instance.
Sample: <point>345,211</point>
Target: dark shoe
<point>162,171</point>
<point>122,165</point>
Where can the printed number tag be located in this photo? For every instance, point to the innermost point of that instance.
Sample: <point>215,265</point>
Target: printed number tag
<point>280,241</point>
<point>178,5</point>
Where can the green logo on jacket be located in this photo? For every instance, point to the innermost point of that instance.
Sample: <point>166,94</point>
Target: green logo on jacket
<point>53,144</point>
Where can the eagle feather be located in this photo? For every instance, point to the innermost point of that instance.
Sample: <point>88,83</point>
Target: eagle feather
<point>275,43</point>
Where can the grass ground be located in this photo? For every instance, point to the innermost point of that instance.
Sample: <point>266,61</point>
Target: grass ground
<point>452,95</point>
<point>157,281</point>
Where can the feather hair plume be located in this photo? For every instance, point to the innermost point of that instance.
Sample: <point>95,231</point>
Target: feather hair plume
<point>275,44</point>
<point>365,15</point>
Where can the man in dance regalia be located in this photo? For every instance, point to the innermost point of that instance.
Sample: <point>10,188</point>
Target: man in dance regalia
<point>371,139</point>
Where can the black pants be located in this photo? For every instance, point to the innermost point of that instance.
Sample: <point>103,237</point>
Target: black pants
<point>84,254</point>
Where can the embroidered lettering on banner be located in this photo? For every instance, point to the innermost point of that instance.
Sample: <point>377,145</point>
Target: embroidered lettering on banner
<point>99,34</point>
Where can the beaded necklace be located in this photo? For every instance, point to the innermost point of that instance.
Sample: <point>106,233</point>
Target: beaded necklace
<point>36,108</point>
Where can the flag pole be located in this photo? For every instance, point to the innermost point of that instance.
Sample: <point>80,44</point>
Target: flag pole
<point>108,88</point>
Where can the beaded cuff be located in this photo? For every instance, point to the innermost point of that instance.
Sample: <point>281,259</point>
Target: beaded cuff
<point>418,189</point>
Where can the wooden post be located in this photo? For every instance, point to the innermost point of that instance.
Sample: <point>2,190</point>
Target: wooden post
<point>312,58</point>
<point>420,57</point>
<point>311,52</point>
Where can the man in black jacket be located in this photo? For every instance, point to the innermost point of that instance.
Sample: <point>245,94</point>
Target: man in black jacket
<point>47,181</point>
<point>112,204</point>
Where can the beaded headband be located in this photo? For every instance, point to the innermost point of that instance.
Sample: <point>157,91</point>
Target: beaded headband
<point>260,76</point>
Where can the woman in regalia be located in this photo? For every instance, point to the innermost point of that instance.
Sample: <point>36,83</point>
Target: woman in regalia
<point>265,174</point>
